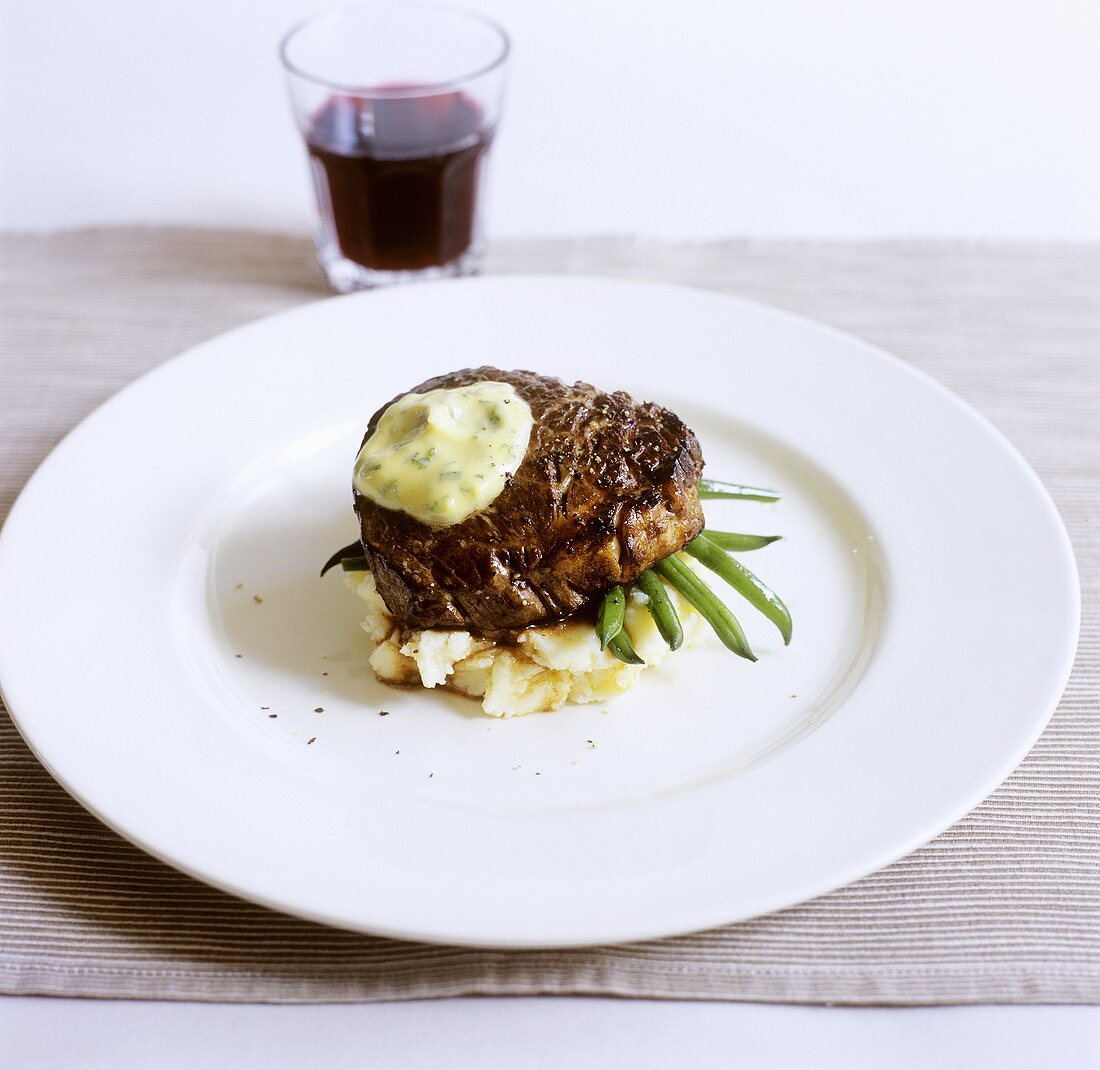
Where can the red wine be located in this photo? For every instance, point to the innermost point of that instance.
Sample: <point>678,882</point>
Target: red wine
<point>398,177</point>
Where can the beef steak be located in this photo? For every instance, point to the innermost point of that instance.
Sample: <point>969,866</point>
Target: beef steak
<point>607,488</point>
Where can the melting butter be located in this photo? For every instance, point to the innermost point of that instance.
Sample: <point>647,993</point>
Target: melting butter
<point>445,454</point>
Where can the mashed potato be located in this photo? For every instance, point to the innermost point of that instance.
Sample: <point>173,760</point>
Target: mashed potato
<point>547,667</point>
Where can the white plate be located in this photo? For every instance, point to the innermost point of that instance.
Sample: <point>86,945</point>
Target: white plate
<point>931,581</point>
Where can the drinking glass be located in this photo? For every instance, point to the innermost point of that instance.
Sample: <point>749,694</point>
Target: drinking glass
<point>398,104</point>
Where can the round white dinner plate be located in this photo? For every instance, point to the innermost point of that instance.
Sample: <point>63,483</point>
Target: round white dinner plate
<point>171,655</point>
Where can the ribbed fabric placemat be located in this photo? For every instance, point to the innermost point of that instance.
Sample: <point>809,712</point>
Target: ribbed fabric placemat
<point>1004,907</point>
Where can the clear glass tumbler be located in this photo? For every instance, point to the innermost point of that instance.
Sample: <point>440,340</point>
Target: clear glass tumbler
<point>398,103</point>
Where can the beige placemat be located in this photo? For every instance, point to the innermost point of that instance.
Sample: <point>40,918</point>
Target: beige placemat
<point>1004,907</point>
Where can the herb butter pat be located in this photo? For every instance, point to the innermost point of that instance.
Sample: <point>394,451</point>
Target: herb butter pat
<point>445,454</point>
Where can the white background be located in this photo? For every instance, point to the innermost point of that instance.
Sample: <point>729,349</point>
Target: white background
<point>852,119</point>
<point>681,118</point>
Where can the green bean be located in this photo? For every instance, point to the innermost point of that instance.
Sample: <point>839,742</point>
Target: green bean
<point>354,564</point>
<point>354,549</point>
<point>609,619</point>
<point>715,488</point>
<point>661,609</point>
<point>714,611</point>
<point>758,594</point>
<point>623,648</point>
<point>731,540</point>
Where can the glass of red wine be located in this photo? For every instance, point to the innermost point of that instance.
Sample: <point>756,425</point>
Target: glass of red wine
<point>398,103</point>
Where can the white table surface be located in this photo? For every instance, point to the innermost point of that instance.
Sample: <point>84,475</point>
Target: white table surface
<point>536,1033</point>
<point>696,120</point>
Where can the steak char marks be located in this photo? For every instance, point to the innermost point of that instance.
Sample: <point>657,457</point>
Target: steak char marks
<point>606,489</point>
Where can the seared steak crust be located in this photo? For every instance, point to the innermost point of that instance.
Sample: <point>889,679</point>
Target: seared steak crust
<point>607,488</point>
